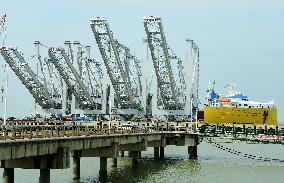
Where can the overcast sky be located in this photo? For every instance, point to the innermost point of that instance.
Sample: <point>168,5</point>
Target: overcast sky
<point>240,41</point>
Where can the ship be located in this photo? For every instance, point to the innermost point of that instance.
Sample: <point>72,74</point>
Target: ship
<point>236,108</point>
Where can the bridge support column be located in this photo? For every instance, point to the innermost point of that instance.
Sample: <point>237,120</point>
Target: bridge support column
<point>135,156</point>
<point>76,166</point>
<point>44,176</point>
<point>192,152</point>
<point>103,169</point>
<point>156,152</point>
<point>8,175</point>
<point>114,162</point>
<point>162,152</point>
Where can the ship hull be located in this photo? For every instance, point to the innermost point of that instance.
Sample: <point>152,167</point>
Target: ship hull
<point>235,115</point>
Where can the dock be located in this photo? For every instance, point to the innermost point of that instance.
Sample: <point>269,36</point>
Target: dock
<point>51,147</point>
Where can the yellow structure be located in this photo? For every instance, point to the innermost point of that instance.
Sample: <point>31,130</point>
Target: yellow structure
<point>236,115</point>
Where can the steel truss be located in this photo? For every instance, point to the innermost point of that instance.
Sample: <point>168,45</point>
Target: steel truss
<point>44,96</point>
<point>168,67</point>
<point>85,99</point>
<point>123,68</point>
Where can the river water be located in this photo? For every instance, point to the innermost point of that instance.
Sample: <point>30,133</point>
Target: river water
<point>212,166</point>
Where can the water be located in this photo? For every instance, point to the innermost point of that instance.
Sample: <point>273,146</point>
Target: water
<point>213,165</point>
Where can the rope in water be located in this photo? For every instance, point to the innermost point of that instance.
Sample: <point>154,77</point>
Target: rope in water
<point>245,155</point>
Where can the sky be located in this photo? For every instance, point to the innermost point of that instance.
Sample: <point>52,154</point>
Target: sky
<point>240,42</point>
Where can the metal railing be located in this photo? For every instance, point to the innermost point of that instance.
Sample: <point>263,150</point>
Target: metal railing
<point>44,131</point>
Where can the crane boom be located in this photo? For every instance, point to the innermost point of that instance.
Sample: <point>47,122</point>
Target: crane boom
<point>116,69</point>
<point>72,79</point>
<point>31,81</point>
<point>195,74</point>
<point>133,70</point>
<point>162,56</point>
<point>94,77</point>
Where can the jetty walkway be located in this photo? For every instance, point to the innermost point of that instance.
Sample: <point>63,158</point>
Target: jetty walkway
<point>50,147</point>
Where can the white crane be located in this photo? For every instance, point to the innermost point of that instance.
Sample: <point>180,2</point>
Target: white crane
<point>37,86</point>
<point>80,80</point>
<point>122,67</point>
<point>194,76</point>
<point>172,96</point>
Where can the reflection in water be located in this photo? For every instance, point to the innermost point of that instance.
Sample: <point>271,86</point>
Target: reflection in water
<point>150,170</point>
<point>213,165</point>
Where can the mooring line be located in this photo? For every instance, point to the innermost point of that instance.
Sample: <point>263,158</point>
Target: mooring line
<point>245,155</point>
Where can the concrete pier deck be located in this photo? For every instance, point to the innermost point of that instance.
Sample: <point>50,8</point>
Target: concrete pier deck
<point>49,147</point>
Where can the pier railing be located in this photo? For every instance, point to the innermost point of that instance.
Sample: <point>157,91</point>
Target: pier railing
<point>31,132</point>
<point>51,147</point>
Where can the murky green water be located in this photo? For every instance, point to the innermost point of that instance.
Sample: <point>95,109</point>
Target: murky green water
<point>213,166</point>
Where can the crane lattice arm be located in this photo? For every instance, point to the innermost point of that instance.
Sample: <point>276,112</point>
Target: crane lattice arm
<point>116,69</point>
<point>94,77</point>
<point>71,77</point>
<point>195,77</point>
<point>178,75</point>
<point>31,81</point>
<point>162,57</point>
<point>133,69</point>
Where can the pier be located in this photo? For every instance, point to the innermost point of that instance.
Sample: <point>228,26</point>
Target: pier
<point>51,147</point>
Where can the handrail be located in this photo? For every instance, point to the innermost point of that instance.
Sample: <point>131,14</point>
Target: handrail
<point>57,131</point>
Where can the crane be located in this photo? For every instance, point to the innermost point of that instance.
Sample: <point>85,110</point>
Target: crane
<point>133,71</point>
<point>36,86</point>
<point>194,77</point>
<point>194,51</point>
<point>85,98</point>
<point>89,70</point>
<point>171,85</point>
<point>49,76</point>
<point>122,67</point>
